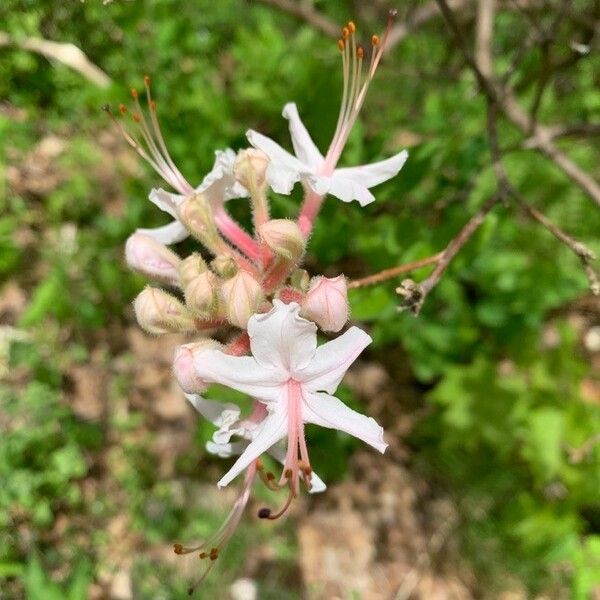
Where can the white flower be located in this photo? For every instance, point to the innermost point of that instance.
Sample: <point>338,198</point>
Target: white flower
<point>218,186</point>
<point>311,168</point>
<point>295,380</point>
<point>227,418</point>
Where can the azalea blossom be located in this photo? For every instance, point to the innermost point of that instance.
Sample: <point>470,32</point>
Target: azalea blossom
<point>226,417</point>
<point>295,380</point>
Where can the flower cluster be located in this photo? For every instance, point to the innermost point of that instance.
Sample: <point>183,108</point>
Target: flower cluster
<point>249,290</point>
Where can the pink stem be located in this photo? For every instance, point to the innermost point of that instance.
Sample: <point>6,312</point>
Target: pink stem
<point>309,211</point>
<point>237,236</point>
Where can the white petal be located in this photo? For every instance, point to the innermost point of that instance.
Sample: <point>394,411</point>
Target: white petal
<point>284,169</point>
<point>342,188</point>
<point>271,430</point>
<point>304,147</point>
<point>332,360</point>
<point>226,450</point>
<point>328,411</point>
<point>211,410</point>
<point>375,173</point>
<point>281,340</point>
<point>220,184</point>
<point>241,373</point>
<point>166,201</point>
<point>278,452</point>
<point>171,233</point>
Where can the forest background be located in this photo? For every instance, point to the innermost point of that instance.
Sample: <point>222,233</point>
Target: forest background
<point>490,396</point>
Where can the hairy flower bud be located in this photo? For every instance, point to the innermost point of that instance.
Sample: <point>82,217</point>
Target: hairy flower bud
<point>242,296</point>
<point>196,215</point>
<point>152,259</point>
<point>300,279</point>
<point>183,365</point>
<point>326,303</point>
<point>284,238</point>
<point>190,268</point>
<point>202,294</point>
<point>158,312</point>
<point>224,265</point>
<point>250,168</point>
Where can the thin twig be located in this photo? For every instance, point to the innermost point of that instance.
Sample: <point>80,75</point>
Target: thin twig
<point>395,271</point>
<point>306,12</point>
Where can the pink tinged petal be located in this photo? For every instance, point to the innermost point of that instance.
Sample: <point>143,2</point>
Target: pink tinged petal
<point>166,201</point>
<point>172,233</point>
<point>332,360</point>
<point>328,411</point>
<point>272,429</point>
<point>304,147</point>
<point>241,373</point>
<point>375,173</point>
<point>317,484</point>
<point>281,340</point>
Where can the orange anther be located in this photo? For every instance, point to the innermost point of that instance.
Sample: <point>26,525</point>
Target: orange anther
<point>136,117</point>
<point>122,109</point>
<point>214,553</point>
<point>341,45</point>
<point>375,40</point>
<point>134,93</point>
<point>351,26</point>
<point>360,52</point>
<point>345,33</point>
<point>146,80</point>
<point>178,549</point>
<point>153,105</point>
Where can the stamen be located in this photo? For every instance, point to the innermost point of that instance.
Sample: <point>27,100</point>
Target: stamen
<point>360,52</point>
<point>351,26</point>
<point>345,33</point>
<point>341,45</point>
<point>266,513</point>
<point>375,40</point>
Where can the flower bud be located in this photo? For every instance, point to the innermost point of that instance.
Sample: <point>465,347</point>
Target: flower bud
<point>250,168</point>
<point>183,365</point>
<point>224,265</point>
<point>202,294</point>
<point>242,296</point>
<point>151,258</point>
<point>158,312</point>
<point>326,303</point>
<point>190,268</point>
<point>195,213</point>
<point>284,238</point>
<point>300,279</point>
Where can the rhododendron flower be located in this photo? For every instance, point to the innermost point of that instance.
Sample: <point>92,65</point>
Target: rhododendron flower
<point>227,418</point>
<point>295,380</point>
<point>218,186</point>
<point>313,169</point>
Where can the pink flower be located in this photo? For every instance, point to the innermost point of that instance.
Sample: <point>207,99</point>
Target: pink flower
<point>295,380</point>
<point>326,302</point>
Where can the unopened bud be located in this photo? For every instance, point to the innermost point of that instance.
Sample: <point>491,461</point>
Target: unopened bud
<point>300,279</point>
<point>250,168</point>
<point>190,268</point>
<point>284,238</point>
<point>183,365</point>
<point>158,312</point>
<point>151,258</point>
<point>202,294</point>
<point>242,296</point>
<point>326,303</point>
<point>224,265</point>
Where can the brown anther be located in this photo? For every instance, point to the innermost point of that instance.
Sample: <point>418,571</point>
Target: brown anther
<point>351,26</point>
<point>270,476</point>
<point>214,553</point>
<point>153,105</point>
<point>287,473</point>
<point>304,467</point>
<point>178,548</point>
<point>341,45</point>
<point>146,80</point>
<point>136,117</point>
<point>360,52</point>
<point>259,465</point>
<point>264,513</point>
<point>375,40</point>
<point>122,109</point>
<point>345,33</point>
<point>202,555</point>
<point>106,108</point>
<point>134,93</point>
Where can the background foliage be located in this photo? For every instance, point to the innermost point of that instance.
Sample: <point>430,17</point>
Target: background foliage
<point>497,351</point>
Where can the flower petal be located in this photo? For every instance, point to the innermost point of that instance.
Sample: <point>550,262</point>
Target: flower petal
<point>374,173</point>
<point>341,187</point>
<point>227,449</point>
<point>241,373</point>
<point>304,147</point>
<point>272,429</point>
<point>281,340</point>
<point>211,410</point>
<point>332,360</point>
<point>220,184</point>
<point>328,411</point>
<point>172,233</point>
<point>166,201</point>
<point>284,169</point>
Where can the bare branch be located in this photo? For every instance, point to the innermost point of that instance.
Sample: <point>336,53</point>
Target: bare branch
<point>305,11</point>
<point>68,54</point>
